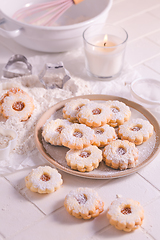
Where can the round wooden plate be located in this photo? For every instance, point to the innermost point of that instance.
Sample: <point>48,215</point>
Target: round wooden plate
<point>56,154</point>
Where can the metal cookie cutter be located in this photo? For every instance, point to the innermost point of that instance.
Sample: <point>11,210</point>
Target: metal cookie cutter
<point>50,71</point>
<point>16,58</point>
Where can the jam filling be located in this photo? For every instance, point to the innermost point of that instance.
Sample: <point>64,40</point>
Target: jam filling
<point>121,151</point>
<point>81,199</point>
<point>77,134</point>
<point>79,107</point>
<point>99,131</point>
<point>136,128</point>
<point>115,110</point>
<point>59,129</point>
<point>45,177</point>
<point>84,154</point>
<point>126,210</point>
<point>96,111</point>
<point>18,106</point>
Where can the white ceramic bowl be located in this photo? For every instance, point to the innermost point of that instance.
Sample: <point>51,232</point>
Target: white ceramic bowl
<point>57,38</point>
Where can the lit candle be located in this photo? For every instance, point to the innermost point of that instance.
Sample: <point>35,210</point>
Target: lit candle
<point>104,53</point>
<point>106,43</point>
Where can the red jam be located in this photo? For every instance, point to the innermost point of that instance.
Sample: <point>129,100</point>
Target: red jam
<point>84,154</point>
<point>18,106</point>
<point>77,134</point>
<point>45,177</point>
<point>96,111</point>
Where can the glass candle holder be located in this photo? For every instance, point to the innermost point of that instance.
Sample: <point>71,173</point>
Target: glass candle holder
<point>104,47</point>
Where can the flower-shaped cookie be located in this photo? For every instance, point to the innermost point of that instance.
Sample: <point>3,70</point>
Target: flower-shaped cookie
<point>43,180</point>
<point>125,214</point>
<point>52,130</point>
<point>16,103</point>
<point>104,135</point>
<point>84,160</point>
<point>94,114</point>
<point>120,154</point>
<point>136,130</point>
<point>120,113</point>
<point>77,136</point>
<point>71,108</point>
<point>83,203</point>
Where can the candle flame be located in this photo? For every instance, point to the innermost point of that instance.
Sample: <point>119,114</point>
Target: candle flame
<point>105,39</point>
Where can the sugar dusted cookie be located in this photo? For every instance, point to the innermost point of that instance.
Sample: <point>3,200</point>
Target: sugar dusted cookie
<point>94,114</point>
<point>43,180</point>
<point>83,203</point>
<point>77,136</point>
<point>136,130</point>
<point>120,113</point>
<point>104,135</point>
<point>125,214</point>
<point>71,108</point>
<point>84,160</point>
<point>120,154</point>
<point>52,130</point>
<point>16,103</point>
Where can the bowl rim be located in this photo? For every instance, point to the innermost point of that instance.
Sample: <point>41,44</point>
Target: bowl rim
<point>67,27</point>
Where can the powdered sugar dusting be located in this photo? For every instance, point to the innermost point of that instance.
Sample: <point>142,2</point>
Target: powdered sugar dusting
<point>43,99</point>
<point>4,140</point>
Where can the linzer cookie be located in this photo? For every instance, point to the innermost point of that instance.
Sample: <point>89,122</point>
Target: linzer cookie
<point>83,203</point>
<point>77,136</point>
<point>94,114</point>
<point>71,108</point>
<point>16,103</point>
<point>136,130</point>
<point>120,113</point>
<point>43,180</point>
<point>120,154</point>
<point>52,130</point>
<point>84,160</point>
<point>104,135</point>
<point>125,214</point>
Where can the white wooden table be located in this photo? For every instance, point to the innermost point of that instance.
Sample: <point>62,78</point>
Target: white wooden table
<point>25,215</point>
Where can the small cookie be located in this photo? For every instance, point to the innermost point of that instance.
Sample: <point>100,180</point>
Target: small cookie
<point>17,103</point>
<point>120,154</point>
<point>71,108</point>
<point>103,135</point>
<point>125,214</point>
<point>84,203</point>
<point>52,131</point>
<point>94,114</point>
<point>136,130</point>
<point>77,136</point>
<point>43,180</point>
<point>120,113</point>
<point>84,160</point>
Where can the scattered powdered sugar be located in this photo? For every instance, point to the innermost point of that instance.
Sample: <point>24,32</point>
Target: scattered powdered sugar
<point>146,148</point>
<point>4,140</point>
<point>43,99</point>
